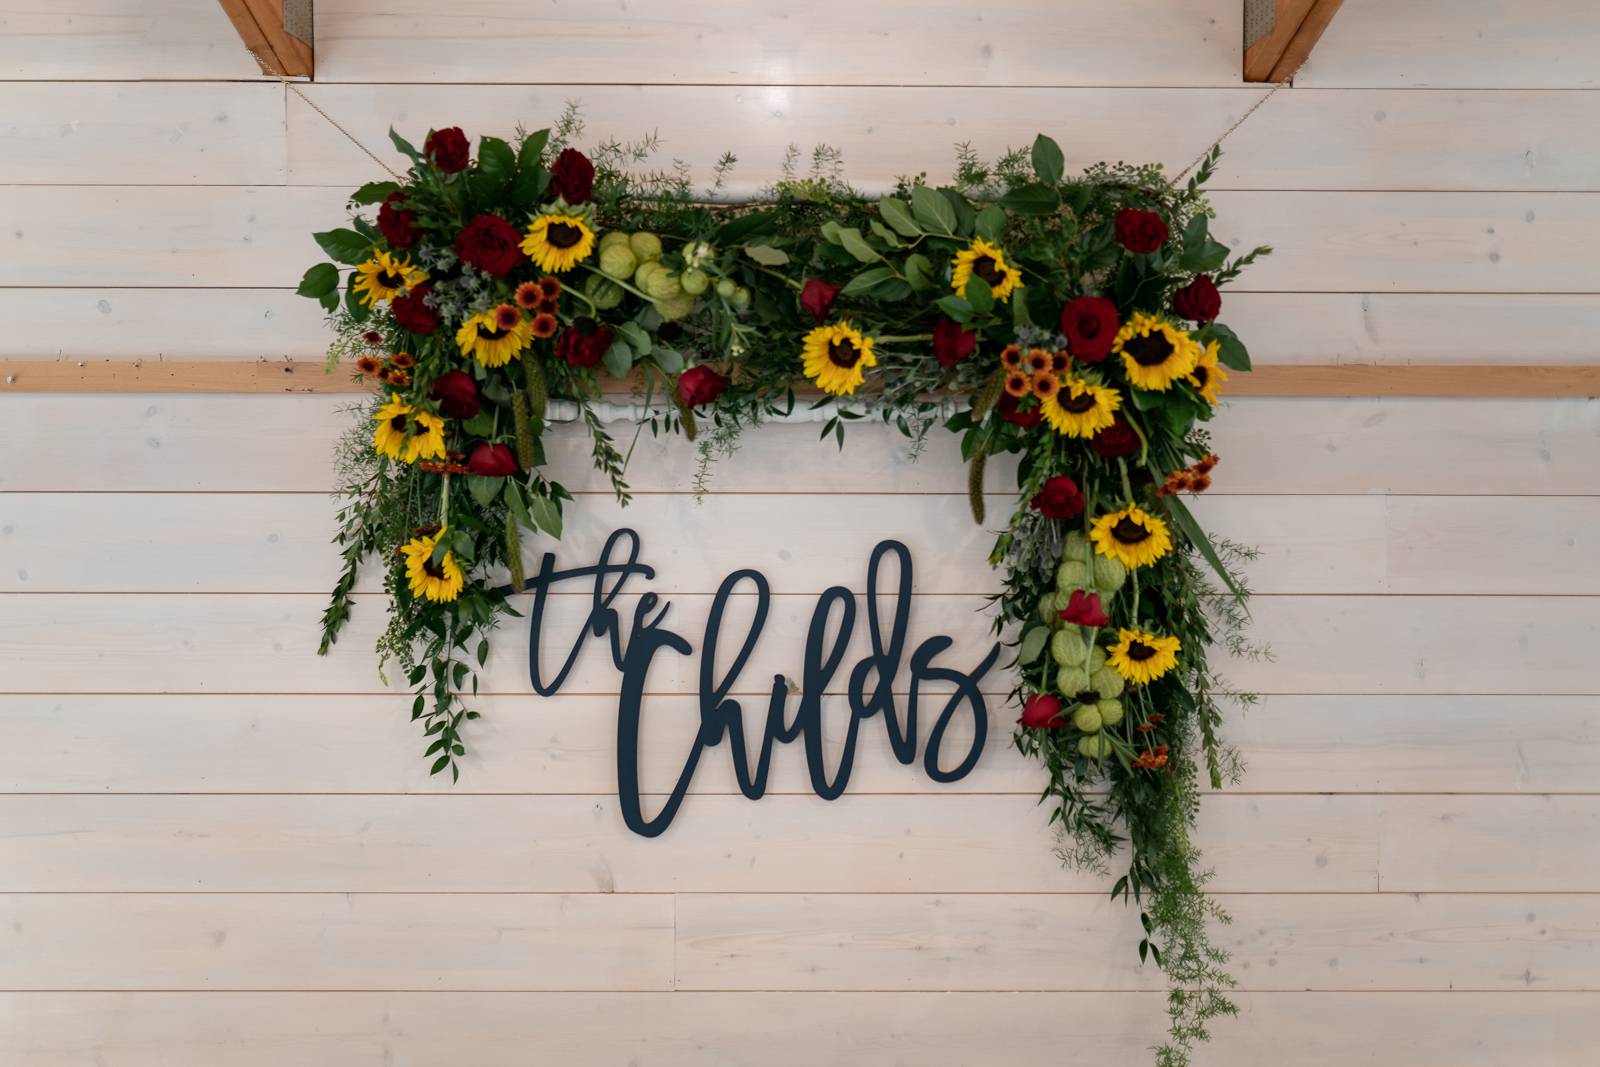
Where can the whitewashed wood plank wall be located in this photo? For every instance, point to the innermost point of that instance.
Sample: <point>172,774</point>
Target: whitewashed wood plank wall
<point>216,848</point>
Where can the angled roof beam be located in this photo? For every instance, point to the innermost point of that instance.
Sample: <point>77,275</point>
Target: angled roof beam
<point>1296,27</point>
<point>276,32</point>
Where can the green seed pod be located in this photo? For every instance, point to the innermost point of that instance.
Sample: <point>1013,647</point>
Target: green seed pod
<point>645,246</point>
<point>1072,680</point>
<point>618,261</point>
<point>606,295</point>
<point>741,297</point>
<point>613,239</point>
<point>646,270</point>
<point>514,552</point>
<point>726,288</point>
<point>1097,658</point>
<point>1097,746</point>
<point>1075,545</point>
<point>1109,574</point>
<point>675,308</point>
<point>1110,711</point>
<point>1071,575</point>
<point>694,281</point>
<point>1108,683</point>
<point>1063,599</point>
<point>1047,608</point>
<point>664,285</point>
<point>1086,717</point>
<point>1067,648</point>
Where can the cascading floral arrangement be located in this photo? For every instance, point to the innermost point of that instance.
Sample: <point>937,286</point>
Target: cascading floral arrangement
<point>1077,317</point>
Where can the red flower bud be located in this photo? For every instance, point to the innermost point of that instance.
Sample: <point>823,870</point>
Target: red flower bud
<point>1198,301</point>
<point>700,385</point>
<point>952,344</point>
<point>448,149</point>
<point>1083,609</point>
<point>1118,439</point>
<point>1140,231</point>
<point>572,176</point>
<point>456,393</point>
<point>1041,712</point>
<point>492,461</point>
<point>1090,325</point>
<point>817,297</point>
<point>1060,499</point>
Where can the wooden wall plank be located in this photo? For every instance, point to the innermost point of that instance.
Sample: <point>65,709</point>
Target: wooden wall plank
<point>1076,42</point>
<point>1311,447</point>
<point>923,843</point>
<point>120,39</point>
<point>130,743</point>
<point>1464,842</point>
<point>119,323</point>
<point>336,941</point>
<point>780,1029</point>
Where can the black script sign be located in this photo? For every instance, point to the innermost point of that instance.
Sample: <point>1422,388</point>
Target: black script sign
<point>869,687</point>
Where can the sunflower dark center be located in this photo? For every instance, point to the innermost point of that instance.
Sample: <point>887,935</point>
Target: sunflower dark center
<point>398,424</point>
<point>435,570</point>
<point>1202,376</point>
<point>1079,404</point>
<point>1148,351</point>
<point>390,280</point>
<point>490,333</point>
<point>844,353</point>
<point>1129,532</point>
<point>1138,651</point>
<point>562,235</point>
<point>986,268</point>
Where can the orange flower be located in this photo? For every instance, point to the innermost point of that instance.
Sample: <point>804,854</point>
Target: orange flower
<point>528,295</point>
<point>369,366</point>
<point>1017,384</point>
<point>544,325</point>
<point>402,360</point>
<point>1038,361</point>
<point>1151,759</point>
<point>1045,387</point>
<point>1059,362</point>
<point>396,376</point>
<point>1011,357</point>
<point>549,288</point>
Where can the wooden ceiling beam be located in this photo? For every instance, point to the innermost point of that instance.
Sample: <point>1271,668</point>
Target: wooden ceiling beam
<point>1297,28</point>
<point>260,24</point>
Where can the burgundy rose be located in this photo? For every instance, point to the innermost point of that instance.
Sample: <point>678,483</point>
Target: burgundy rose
<point>1199,300</point>
<point>1083,609</point>
<point>492,461</point>
<point>952,344</point>
<point>817,297</point>
<point>572,176</point>
<point>584,342</point>
<point>456,393</point>
<point>1009,410</point>
<point>1060,498</point>
<point>448,149</point>
<point>1042,712</point>
<point>1118,439</point>
<point>412,312</point>
<point>700,385</point>
<point>490,243</point>
<point>397,225</point>
<point>1090,325</point>
<point>1140,231</point>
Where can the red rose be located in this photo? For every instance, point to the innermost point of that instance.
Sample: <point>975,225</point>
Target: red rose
<point>1090,325</point>
<point>456,393</point>
<point>490,243</point>
<point>1118,439</point>
<point>1060,498</point>
<point>584,342</point>
<point>1042,712</point>
<point>572,176</point>
<point>952,344</point>
<point>700,385</point>
<point>1199,300</point>
<point>397,225</point>
<point>1083,609</point>
<point>492,461</point>
<point>1140,231</point>
<point>448,149</point>
<point>817,297</point>
<point>1007,406</point>
<point>412,312</point>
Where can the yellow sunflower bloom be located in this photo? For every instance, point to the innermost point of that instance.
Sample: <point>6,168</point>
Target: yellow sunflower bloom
<point>495,336</point>
<point>1209,375</point>
<point>1131,536</point>
<point>1081,409</point>
<point>406,434</point>
<point>437,580</point>
<point>386,276</point>
<point>836,357</point>
<point>987,262</point>
<point>558,243</point>
<point>1154,352</point>
<point>1142,657</point>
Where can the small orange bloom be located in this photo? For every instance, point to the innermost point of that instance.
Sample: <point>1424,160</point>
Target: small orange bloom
<point>1038,361</point>
<point>1011,357</point>
<point>528,295</point>
<point>549,288</point>
<point>1045,387</point>
<point>1059,362</point>
<point>402,360</point>
<point>1017,384</point>
<point>1151,759</point>
<point>544,324</point>
<point>506,317</point>
<point>549,306</point>
<point>369,366</point>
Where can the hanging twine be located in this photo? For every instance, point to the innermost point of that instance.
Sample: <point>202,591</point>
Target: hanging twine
<point>292,87</point>
<point>1225,133</point>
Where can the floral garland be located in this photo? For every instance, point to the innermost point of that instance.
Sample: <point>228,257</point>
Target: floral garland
<point>1077,316</point>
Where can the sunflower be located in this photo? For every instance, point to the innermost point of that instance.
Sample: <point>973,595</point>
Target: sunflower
<point>1017,384</point>
<point>384,277</point>
<point>544,325</point>
<point>1130,536</point>
<point>987,262</point>
<point>1081,409</point>
<point>1142,657</point>
<point>558,242</point>
<point>406,434</point>
<point>492,337</point>
<point>836,357</point>
<point>436,580</point>
<point>1209,376</point>
<point>1154,352</point>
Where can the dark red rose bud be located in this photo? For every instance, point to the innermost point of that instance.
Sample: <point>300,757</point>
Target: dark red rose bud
<point>1009,409</point>
<point>952,344</point>
<point>1140,231</point>
<point>397,225</point>
<point>1060,498</point>
<point>1083,609</point>
<point>1042,712</point>
<point>456,393</point>
<point>1118,439</point>
<point>1198,301</point>
<point>700,385</point>
<point>492,461</point>
<point>572,176</point>
<point>491,244</point>
<point>448,149</point>
<point>412,312</point>
<point>817,297</point>
<point>584,343</point>
<point>1090,324</point>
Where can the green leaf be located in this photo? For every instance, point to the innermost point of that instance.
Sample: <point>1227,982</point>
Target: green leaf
<point>619,358</point>
<point>1032,200</point>
<point>480,425</point>
<point>404,146</point>
<point>513,495</point>
<point>531,151</point>
<point>866,280</point>
<point>737,229</point>
<point>353,306</point>
<point>965,215</point>
<point>1230,350</point>
<point>528,187</point>
<point>344,246</point>
<point>955,307</point>
<point>329,300</point>
<point>636,336</point>
<point>766,255</point>
<point>546,516</point>
<point>991,223</point>
<point>1207,255</point>
<point>483,489</point>
<point>857,246</point>
<point>1033,644</point>
<point>933,210</point>
<point>1197,536</point>
<point>919,271</point>
<point>979,295</point>
<point>496,161</point>
<point>374,192</point>
<point>669,359</point>
<point>1048,162</point>
<point>884,234</point>
<point>895,213</point>
<point>319,281</point>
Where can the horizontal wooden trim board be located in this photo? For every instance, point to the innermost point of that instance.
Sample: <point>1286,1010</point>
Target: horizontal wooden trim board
<point>307,376</point>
